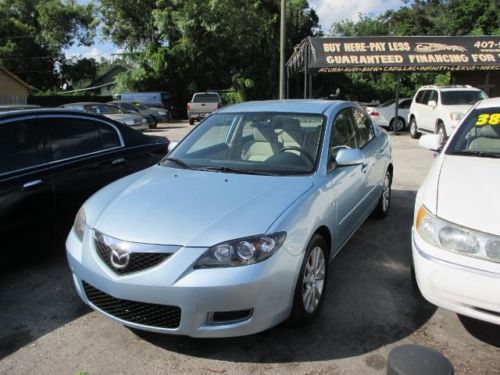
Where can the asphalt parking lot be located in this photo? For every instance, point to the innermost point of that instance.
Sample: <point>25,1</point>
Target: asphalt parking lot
<point>371,306</point>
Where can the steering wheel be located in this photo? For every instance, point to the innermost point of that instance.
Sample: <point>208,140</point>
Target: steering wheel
<point>301,151</point>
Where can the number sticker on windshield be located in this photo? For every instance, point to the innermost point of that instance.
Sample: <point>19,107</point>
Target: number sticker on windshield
<point>488,119</point>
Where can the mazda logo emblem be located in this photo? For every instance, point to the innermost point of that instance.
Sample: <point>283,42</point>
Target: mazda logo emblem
<point>119,258</point>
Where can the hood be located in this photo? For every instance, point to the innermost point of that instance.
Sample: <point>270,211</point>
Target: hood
<point>468,192</point>
<point>164,205</point>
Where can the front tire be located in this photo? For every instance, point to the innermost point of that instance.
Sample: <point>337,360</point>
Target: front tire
<point>154,123</point>
<point>414,133</point>
<point>441,131</point>
<point>311,284</point>
<point>384,203</point>
<point>191,121</point>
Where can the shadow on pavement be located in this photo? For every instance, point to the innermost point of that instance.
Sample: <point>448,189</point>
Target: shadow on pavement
<point>484,331</point>
<point>36,297</point>
<point>370,302</point>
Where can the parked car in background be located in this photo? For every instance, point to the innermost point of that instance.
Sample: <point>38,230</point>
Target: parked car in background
<point>439,109</point>
<point>233,231</point>
<point>150,120</point>
<point>51,161</point>
<point>135,121</point>
<point>202,104</point>
<point>157,99</point>
<point>456,231</point>
<point>383,114</point>
<point>160,114</point>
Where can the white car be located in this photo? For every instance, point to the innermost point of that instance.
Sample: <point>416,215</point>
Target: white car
<point>439,109</point>
<point>456,231</point>
<point>383,114</point>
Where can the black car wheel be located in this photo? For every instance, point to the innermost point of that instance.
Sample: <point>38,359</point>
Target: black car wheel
<point>414,133</point>
<point>153,124</point>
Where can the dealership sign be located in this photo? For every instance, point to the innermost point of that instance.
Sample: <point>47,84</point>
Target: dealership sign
<point>396,54</point>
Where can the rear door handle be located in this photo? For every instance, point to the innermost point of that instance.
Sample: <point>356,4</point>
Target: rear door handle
<point>32,184</point>
<point>118,161</point>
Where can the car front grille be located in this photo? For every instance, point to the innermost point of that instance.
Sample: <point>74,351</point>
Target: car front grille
<point>149,314</point>
<point>137,261</point>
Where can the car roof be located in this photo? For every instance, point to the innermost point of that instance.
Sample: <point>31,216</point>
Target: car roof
<point>48,111</point>
<point>488,103</point>
<point>289,105</point>
<point>450,88</point>
<point>84,103</point>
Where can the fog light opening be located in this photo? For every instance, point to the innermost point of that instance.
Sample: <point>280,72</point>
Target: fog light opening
<point>227,317</point>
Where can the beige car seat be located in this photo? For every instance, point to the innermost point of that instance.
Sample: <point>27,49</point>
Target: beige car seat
<point>265,144</point>
<point>487,139</point>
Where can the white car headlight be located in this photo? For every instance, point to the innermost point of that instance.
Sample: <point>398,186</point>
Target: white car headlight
<point>453,237</point>
<point>456,116</point>
<point>80,224</point>
<point>144,121</point>
<point>241,252</point>
<point>162,113</point>
<point>129,122</point>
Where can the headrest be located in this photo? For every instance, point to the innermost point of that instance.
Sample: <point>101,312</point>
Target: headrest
<point>489,131</point>
<point>291,124</point>
<point>263,133</point>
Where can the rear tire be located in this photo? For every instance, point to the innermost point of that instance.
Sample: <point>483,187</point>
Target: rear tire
<point>384,203</point>
<point>414,133</point>
<point>312,281</point>
<point>400,124</point>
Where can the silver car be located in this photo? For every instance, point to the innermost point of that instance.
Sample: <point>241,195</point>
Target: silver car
<point>232,232</point>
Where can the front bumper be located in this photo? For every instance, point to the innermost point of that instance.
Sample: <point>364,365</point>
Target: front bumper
<point>265,288</point>
<point>456,282</point>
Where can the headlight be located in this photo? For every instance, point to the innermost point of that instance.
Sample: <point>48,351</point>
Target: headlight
<point>453,237</point>
<point>80,224</point>
<point>456,116</point>
<point>129,121</point>
<point>162,113</point>
<point>241,252</point>
<point>144,121</point>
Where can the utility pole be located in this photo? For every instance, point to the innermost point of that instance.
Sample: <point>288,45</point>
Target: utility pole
<point>282,50</point>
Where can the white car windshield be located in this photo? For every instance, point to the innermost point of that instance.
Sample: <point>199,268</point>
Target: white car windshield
<point>252,143</point>
<point>479,135</point>
<point>462,97</point>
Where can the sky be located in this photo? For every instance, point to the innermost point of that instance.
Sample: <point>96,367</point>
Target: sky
<point>329,11</point>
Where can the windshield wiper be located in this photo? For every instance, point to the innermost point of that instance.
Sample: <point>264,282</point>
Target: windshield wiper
<point>234,170</point>
<point>481,154</point>
<point>180,162</point>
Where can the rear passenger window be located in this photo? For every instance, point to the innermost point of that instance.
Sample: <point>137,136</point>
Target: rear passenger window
<point>364,126</point>
<point>432,96</point>
<point>109,136</point>
<point>20,147</point>
<point>70,137</point>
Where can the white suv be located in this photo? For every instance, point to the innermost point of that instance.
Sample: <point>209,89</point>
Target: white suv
<point>439,109</point>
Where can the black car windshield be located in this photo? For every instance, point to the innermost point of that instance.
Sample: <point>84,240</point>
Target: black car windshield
<point>253,143</point>
<point>462,97</point>
<point>479,135</point>
<point>126,106</point>
<point>206,98</point>
<point>101,109</point>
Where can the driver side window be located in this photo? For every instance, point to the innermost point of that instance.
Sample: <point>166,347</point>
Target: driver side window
<point>343,135</point>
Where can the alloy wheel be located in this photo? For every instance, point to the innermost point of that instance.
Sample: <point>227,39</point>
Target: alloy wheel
<point>386,193</point>
<point>314,279</point>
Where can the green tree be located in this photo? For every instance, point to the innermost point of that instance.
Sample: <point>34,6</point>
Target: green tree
<point>33,34</point>
<point>186,46</point>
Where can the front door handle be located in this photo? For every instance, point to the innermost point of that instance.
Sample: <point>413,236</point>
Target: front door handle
<point>118,161</point>
<point>364,167</point>
<point>32,184</point>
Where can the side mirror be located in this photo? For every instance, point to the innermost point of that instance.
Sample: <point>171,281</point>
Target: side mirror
<point>349,156</point>
<point>172,145</point>
<point>432,104</point>
<point>430,142</point>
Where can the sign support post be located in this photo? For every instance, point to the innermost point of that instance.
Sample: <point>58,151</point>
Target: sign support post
<point>396,106</point>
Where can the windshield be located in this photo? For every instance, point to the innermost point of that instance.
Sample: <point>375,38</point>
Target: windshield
<point>253,143</point>
<point>206,98</point>
<point>462,97</point>
<point>127,106</point>
<point>388,103</point>
<point>479,135</point>
<point>101,109</point>
<point>140,106</point>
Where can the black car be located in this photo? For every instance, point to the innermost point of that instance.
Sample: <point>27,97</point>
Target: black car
<point>51,161</point>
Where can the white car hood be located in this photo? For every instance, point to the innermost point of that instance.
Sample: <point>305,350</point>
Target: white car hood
<point>468,192</point>
<point>164,205</point>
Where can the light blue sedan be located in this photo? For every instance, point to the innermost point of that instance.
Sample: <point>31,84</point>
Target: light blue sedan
<point>232,232</point>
